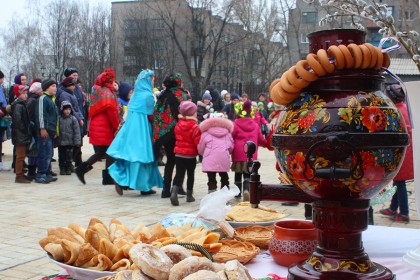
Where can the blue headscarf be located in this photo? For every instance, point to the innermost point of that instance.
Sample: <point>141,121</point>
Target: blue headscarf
<point>142,100</point>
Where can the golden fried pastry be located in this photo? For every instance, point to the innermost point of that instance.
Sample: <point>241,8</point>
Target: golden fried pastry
<point>243,212</point>
<point>188,266</point>
<point>236,250</point>
<point>70,251</point>
<point>257,235</point>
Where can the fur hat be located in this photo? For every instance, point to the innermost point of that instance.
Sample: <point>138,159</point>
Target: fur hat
<point>19,89</point>
<point>206,95</point>
<point>395,93</point>
<point>47,83</point>
<point>235,96</point>
<point>223,92</point>
<point>69,71</point>
<point>36,88</point>
<point>187,108</point>
<point>68,82</point>
<point>216,120</point>
<point>124,90</point>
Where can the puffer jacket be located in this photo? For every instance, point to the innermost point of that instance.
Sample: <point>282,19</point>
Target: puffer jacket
<point>46,115</point>
<point>216,144</point>
<point>187,136</point>
<point>20,123</point>
<point>69,131</point>
<point>103,126</point>
<point>245,129</point>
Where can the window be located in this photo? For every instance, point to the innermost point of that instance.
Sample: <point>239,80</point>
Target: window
<point>309,17</point>
<point>130,60</point>
<point>390,11</point>
<point>304,39</point>
<point>158,23</point>
<point>158,44</point>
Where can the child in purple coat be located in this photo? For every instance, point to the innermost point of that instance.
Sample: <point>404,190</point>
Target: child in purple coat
<point>216,145</point>
<point>245,129</point>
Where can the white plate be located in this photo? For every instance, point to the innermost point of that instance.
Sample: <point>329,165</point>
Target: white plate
<point>81,273</point>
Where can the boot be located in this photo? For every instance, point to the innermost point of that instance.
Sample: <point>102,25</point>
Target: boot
<point>246,190</point>
<point>190,198</point>
<point>239,185</point>
<point>31,172</point>
<point>181,191</point>
<point>22,180</point>
<point>212,187</point>
<point>82,170</point>
<point>174,196</point>
<point>106,178</point>
<point>166,192</point>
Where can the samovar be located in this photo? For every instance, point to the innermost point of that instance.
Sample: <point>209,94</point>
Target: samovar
<point>339,143</point>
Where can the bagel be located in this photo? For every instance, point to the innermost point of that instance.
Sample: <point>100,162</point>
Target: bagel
<point>152,261</point>
<point>273,84</point>
<point>366,57</point>
<point>203,274</point>
<point>348,58</point>
<point>304,73</point>
<point>380,60</point>
<point>357,54</point>
<point>283,96</point>
<point>387,60</point>
<point>325,61</point>
<point>285,84</point>
<point>315,64</point>
<point>176,252</point>
<point>294,78</point>
<point>279,98</point>
<point>374,55</point>
<point>189,266</point>
<point>334,51</point>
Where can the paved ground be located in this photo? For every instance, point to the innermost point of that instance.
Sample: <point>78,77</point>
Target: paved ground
<point>27,211</point>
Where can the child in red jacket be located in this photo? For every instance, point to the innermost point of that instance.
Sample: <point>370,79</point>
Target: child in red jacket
<point>187,135</point>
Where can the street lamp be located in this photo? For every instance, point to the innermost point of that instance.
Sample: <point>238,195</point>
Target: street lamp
<point>43,71</point>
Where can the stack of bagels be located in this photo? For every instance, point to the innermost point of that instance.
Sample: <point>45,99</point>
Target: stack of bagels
<point>289,86</point>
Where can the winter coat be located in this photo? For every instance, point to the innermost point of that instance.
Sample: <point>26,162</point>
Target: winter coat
<point>202,110</point>
<point>230,111</point>
<point>20,123</point>
<point>46,115</point>
<point>259,119</point>
<point>216,98</point>
<point>67,95</point>
<point>216,144</point>
<point>407,170</point>
<point>103,126</point>
<point>245,129</point>
<point>187,136</point>
<point>69,131</point>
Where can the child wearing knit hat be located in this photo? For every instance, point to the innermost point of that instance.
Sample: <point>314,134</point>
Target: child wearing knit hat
<point>204,106</point>
<point>20,131</point>
<point>187,136</point>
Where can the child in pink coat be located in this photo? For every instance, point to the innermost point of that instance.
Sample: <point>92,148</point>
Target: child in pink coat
<point>245,129</point>
<point>216,145</point>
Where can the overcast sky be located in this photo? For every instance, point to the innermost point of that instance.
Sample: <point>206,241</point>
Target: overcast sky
<point>17,8</point>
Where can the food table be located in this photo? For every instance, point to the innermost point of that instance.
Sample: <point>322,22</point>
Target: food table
<point>385,245</point>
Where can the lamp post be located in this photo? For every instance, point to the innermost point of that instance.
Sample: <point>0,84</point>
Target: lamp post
<point>50,73</point>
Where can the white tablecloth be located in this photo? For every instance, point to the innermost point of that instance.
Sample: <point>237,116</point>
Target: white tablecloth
<point>385,245</point>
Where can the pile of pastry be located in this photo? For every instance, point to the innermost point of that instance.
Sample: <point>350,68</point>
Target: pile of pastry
<point>102,247</point>
<point>243,212</point>
<point>174,262</point>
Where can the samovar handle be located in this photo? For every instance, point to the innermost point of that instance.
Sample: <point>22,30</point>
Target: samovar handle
<point>333,172</point>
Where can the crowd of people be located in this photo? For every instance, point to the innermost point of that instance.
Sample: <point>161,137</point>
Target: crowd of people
<point>44,114</point>
<point>129,126</point>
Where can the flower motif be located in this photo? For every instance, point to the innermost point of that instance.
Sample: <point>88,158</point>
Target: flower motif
<point>306,120</point>
<point>373,118</point>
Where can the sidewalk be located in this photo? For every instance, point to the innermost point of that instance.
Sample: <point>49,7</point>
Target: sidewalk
<point>29,210</point>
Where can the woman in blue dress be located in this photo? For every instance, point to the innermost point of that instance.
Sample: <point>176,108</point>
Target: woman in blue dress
<point>135,165</point>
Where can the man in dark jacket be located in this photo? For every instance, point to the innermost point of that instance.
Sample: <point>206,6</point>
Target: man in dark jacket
<point>46,124</point>
<point>216,99</point>
<point>20,131</point>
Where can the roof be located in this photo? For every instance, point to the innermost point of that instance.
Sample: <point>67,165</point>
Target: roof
<point>403,66</point>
